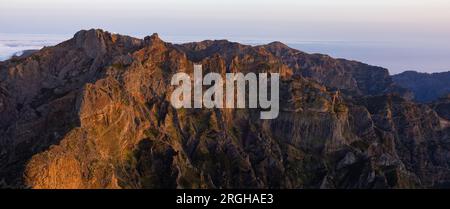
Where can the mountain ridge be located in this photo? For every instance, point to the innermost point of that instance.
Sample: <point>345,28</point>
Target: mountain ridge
<point>427,87</point>
<point>94,112</point>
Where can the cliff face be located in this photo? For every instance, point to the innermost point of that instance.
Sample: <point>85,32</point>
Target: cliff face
<point>94,112</point>
<point>42,93</point>
<point>426,87</point>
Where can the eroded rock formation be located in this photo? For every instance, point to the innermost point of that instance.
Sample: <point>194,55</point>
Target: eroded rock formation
<point>95,112</point>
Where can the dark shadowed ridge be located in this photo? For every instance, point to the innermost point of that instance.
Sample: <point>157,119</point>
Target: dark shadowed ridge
<point>425,86</point>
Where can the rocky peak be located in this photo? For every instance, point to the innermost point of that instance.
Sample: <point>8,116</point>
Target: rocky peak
<point>153,39</point>
<point>277,46</point>
<point>91,33</point>
<point>97,42</point>
<point>92,41</point>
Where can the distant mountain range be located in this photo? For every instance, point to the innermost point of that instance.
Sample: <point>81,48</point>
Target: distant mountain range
<point>425,86</point>
<point>94,112</point>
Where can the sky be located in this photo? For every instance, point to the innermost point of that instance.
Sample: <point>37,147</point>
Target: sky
<point>397,34</point>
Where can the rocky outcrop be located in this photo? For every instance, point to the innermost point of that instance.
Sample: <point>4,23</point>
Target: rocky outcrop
<point>94,112</point>
<point>41,93</point>
<point>442,108</point>
<point>417,135</point>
